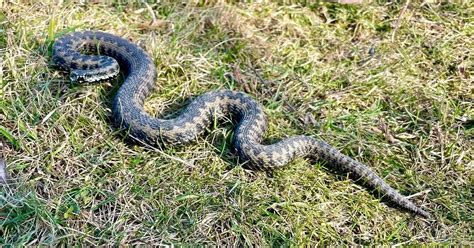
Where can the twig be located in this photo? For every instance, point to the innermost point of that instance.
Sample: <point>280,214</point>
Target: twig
<point>402,12</point>
<point>150,10</point>
<point>221,43</point>
<point>424,192</point>
<point>164,154</point>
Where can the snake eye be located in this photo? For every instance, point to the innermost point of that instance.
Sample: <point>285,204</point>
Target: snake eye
<point>74,77</point>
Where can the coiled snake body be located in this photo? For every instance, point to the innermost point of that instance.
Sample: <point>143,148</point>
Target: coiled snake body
<point>70,53</point>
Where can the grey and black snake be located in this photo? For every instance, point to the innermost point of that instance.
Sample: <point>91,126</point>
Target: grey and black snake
<point>74,52</point>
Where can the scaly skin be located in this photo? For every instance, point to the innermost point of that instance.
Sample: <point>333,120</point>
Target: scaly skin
<point>117,53</point>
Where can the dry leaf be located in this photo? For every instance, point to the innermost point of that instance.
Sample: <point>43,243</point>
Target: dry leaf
<point>386,131</point>
<point>154,25</point>
<point>309,120</point>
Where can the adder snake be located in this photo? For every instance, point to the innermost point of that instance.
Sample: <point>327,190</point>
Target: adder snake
<point>74,52</point>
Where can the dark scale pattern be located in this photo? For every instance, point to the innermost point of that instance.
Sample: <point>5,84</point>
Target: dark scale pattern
<point>117,54</point>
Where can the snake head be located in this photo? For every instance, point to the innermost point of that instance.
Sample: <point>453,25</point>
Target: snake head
<point>93,75</point>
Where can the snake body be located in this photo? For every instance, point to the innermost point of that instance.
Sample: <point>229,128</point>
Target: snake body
<point>74,52</point>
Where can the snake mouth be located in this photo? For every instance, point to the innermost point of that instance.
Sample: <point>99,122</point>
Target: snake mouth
<point>77,77</point>
<point>82,76</point>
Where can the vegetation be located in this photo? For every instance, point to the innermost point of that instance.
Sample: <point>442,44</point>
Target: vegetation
<point>390,84</point>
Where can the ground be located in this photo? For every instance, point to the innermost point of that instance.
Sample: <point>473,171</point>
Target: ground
<point>390,84</point>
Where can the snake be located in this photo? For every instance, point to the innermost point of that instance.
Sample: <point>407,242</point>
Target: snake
<point>94,56</point>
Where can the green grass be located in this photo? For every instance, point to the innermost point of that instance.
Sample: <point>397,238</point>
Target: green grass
<point>390,87</point>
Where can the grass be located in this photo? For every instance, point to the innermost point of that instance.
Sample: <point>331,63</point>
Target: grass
<point>389,84</point>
